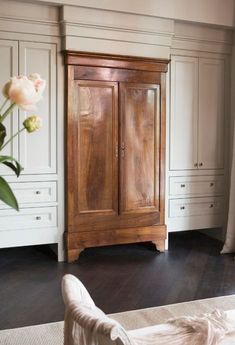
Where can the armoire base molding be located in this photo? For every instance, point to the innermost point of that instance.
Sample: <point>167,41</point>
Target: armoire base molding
<point>77,242</point>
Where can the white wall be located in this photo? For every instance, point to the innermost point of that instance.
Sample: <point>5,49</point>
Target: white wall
<point>217,12</point>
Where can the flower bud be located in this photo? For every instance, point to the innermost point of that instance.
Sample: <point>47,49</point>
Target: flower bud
<point>32,123</point>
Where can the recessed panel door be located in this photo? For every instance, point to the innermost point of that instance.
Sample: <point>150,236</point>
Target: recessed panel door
<point>139,148</point>
<point>38,151</point>
<point>9,68</point>
<point>184,113</point>
<point>94,182</point>
<point>211,114</point>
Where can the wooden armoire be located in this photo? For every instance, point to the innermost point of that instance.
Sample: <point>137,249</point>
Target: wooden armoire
<point>115,151</point>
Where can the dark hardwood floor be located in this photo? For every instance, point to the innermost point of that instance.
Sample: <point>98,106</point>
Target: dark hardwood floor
<point>118,278</point>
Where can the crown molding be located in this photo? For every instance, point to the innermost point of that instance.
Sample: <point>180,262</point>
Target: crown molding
<point>212,12</point>
<point>106,31</point>
<point>20,17</point>
<point>26,26</point>
<point>118,33</point>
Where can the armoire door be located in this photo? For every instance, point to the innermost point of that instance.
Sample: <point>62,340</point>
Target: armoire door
<point>139,148</point>
<point>93,183</point>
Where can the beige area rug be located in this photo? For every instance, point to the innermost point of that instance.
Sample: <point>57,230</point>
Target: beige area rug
<point>52,333</point>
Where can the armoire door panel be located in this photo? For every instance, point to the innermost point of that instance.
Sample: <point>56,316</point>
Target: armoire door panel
<point>211,114</point>
<point>96,109</point>
<point>139,147</point>
<point>184,113</point>
<point>9,68</point>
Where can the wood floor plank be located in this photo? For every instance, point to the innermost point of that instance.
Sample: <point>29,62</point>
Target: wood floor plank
<point>118,278</point>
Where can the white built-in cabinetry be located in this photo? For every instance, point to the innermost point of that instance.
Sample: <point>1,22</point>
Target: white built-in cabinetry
<point>36,189</point>
<point>196,143</point>
<point>32,35</point>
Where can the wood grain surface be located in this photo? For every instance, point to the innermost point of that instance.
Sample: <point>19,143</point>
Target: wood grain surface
<point>115,151</point>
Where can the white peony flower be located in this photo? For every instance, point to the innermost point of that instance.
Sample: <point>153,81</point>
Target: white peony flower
<point>6,89</point>
<point>25,92</point>
<point>39,83</point>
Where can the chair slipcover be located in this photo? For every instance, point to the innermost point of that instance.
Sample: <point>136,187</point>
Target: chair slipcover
<point>86,324</point>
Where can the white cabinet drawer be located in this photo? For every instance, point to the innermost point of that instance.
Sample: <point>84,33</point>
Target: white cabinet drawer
<point>196,207</point>
<point>33,192</point>
<point>28,218</point>
<point>196,185</point>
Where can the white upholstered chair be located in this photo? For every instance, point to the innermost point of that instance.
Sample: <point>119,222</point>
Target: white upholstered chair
<point>85,324</point>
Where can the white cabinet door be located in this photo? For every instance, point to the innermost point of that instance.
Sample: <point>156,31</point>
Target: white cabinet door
<point>38,150</point>
<point>9,68</point>
<point>211,114</point>
<point>184,113</point>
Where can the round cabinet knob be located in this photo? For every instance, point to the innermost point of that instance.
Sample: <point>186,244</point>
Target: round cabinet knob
<point>38,192</point>
<point>211,205</point>
<point>182,185</point>
<point>38,217</point>
<point>196,165</point>
<point>200,164</point>
<point>211,184</point>
<point>182,207</point>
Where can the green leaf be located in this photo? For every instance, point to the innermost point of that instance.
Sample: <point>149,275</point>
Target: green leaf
<point>3,134</point>
<point>12,163</point>
<point>6,194</point>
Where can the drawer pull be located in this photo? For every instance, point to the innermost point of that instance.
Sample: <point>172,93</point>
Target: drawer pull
<point>211,184</point>
<point>38,192</point>
<point>196,164</point>
<point>182,207</point>
<point>38,217</point>
<point>182,185</point>
<point>211,205</point>
<point>200,164</point>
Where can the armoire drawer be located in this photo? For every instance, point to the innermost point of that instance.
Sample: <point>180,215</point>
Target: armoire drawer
<point>196,185</point>
<point>33,192</point>
<point>28,218</point>
<point>196,207</point>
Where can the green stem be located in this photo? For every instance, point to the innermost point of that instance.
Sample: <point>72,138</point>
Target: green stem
<point>9,140</point>
<point>3,105</point>
<point>9,110</point>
